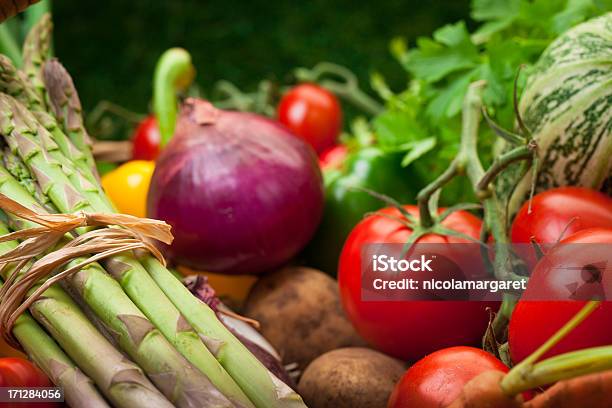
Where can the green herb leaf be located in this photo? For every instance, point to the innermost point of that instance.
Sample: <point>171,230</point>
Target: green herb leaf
<point>451,50</point>
<point>418,149</point>
<point>395,128</point>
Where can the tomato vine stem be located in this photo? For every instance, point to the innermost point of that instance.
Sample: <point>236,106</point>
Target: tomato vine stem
<point>467,162</point>
<point>517,154</point>
<point>528,374</point>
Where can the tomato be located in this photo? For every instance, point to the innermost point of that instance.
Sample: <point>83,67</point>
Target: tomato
<point>146,140</point>
<point>18,372</point>
<point>333,157</point>
<point>408,329</point>
<point>557,212</point>
<point>534,321</point>
<point>437,379</point>
<point>312,113</point>
<point>127,186</point>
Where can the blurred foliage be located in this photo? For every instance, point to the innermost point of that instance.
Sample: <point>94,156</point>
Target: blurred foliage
<point>111,47</point>
<point>508,34</point>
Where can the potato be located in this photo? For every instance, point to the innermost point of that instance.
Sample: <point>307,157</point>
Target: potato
<point>351,377</point>
<point>300,314</point>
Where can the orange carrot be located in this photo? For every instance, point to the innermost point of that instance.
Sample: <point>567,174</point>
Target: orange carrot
<point>484,391</point>
<point>592,391</point>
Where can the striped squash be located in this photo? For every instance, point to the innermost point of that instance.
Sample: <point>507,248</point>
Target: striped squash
<point>567,106</point>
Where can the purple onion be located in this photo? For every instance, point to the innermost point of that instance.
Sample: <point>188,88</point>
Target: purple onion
<point>243,195</point>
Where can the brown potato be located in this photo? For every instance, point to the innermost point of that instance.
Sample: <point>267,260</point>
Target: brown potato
<point>300,314</point>
<point>351,377</point>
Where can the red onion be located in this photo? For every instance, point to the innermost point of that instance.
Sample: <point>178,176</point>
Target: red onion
<point>241,193</point>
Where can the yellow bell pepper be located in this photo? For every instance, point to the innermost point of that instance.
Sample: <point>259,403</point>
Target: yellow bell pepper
<point>127,186</point>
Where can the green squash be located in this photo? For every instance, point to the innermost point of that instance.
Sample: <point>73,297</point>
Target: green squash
<point>567,106</point>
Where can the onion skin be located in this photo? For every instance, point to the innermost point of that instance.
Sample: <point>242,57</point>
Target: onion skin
<point>242,194</point>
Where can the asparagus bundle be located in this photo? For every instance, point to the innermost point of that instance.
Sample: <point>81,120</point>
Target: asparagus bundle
<point>119,379</point>
<point>172,337</point>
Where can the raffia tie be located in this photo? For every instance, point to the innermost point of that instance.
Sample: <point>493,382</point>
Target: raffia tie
<point>125,233</point>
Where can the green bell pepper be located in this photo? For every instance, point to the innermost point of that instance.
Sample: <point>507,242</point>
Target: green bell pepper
<point>369,168</point>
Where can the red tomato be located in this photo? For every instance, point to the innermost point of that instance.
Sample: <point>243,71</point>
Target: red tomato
<point>146,140</point>
<point>18,372</point>
<point>533,321</point>
<point>333,157</point>
<point>557,212</point>
<point>313,113</point>
<point>408,329</point>
<point>437,379</point>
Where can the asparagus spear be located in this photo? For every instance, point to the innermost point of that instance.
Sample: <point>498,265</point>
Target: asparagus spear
<point>62,93</point>
<point>21,126</point>
<point>119,379</point>
<point>263,387</point>
<point>66,106</point>
<point>36,48</point>
<point>19,133</point>
<point>175,377</point>
<point>14,83</point>
<point>18,169</point>
<point>79,389</point>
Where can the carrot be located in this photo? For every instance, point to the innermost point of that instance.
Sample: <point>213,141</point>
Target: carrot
<point>592,391</point>
<point>484,391</point>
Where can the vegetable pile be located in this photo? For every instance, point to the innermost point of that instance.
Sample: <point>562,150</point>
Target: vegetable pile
<point>259,189</point>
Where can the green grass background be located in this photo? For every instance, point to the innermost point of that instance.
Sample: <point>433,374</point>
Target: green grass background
<point>110,47</point>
